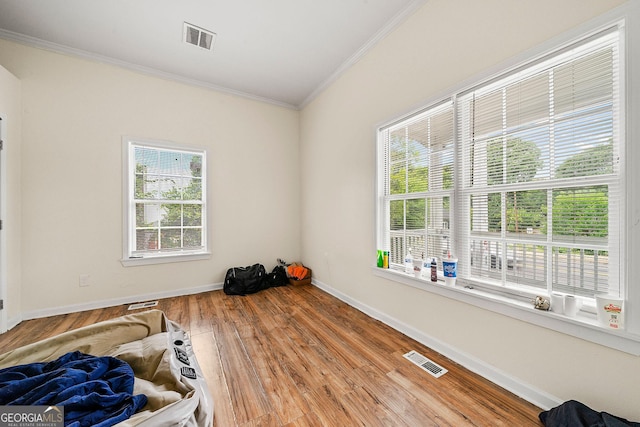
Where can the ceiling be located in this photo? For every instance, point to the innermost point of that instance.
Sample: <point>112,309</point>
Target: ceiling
<point>280,51</point>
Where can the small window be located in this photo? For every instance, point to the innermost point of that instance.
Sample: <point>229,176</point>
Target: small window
<point>418,184</point>
<point>165,203</point>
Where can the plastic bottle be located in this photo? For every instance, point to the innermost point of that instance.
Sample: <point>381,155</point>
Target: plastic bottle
<point>408,263</point>
<point>385,259</point>
<point>434,270</point>
<point>424,274</point>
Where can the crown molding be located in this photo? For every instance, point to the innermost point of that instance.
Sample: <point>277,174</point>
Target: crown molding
<point>66,50</point>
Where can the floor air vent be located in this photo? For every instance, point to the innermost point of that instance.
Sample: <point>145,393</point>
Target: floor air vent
<point>143,305</point>
<point>426,364</point>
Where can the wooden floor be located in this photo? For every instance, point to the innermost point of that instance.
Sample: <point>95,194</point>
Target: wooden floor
<point>296,356</point>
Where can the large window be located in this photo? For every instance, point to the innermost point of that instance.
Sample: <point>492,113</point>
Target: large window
<point>540,174</point>
<point>519,176</point>
<point>165,206</point>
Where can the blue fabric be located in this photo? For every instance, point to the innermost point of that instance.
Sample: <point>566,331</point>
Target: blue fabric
<point>95,391</point>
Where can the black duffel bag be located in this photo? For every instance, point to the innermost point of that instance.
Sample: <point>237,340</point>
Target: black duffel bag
<point>278,276</point>
<point>245,280</point>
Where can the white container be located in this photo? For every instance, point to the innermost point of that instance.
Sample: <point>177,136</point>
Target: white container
<point>557,303</point>
<point>417,267</point>
<point>610,311</point>
<point>571,305</point>
<point>450,270</point>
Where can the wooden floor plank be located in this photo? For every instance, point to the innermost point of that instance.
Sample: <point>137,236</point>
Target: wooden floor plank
<point>206,350</point>
<point>177,309</point>
<point>326,347</point>
<point>268,420</point>
<point>308,420</point>
<point>300,360</point>
<point>200,309</point>
<point>400,401</point>
<point>248,398</point>
<point>284,397</point>
<point>296,356</point>
<point>326,403</point>
<point>435,398</point>
<point>370,411</point>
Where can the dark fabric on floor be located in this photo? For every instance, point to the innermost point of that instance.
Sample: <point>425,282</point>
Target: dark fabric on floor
<point>95,391</point>
<point>576,414</point>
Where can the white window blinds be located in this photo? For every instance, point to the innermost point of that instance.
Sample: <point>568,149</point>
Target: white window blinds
<point>540,175</point>
<point>167,208</point>
<point>418,184</point>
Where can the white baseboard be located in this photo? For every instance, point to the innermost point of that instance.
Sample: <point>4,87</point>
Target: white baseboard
<point>13,322</point>
<point>531,394</point>
<point>35,314</point>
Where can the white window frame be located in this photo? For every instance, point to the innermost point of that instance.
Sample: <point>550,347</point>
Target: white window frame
<point>438,148</point>
<point>517,305</point>
<point>469,188</point>
<point>131,257</point>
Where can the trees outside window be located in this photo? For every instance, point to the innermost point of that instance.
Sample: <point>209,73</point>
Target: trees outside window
<point>166,214</point>
<point>521,188</point>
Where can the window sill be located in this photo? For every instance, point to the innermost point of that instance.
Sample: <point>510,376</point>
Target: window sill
<point>584,325</point>
<point>164,259</point>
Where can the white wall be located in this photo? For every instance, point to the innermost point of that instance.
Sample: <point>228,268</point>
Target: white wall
<point>443,44</point>
<point>10,109</point>
<point>75,113</point>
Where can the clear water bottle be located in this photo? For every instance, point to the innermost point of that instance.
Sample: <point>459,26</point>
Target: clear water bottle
<point>408,263</point>
<point>426,265</point>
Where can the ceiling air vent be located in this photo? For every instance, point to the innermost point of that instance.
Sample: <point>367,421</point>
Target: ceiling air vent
<point>198,36</point>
